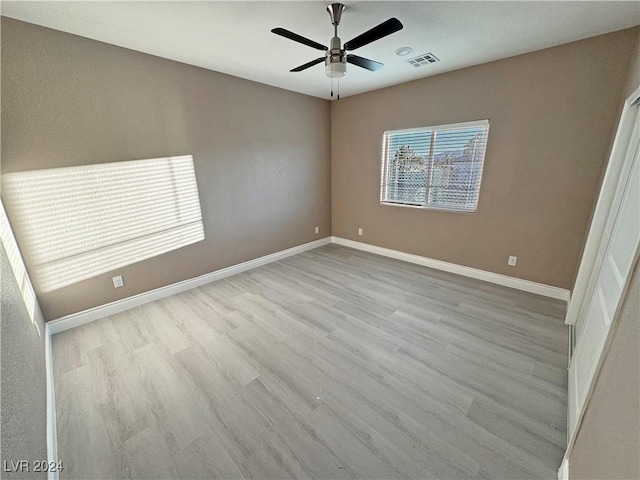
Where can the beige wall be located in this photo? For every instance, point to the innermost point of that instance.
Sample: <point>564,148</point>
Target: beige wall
<point>23,382</point>
<point>262,154</point>
<point>608,442</point>
<point>552,113</point>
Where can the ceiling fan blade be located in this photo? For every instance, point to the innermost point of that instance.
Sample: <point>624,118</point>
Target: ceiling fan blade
<point>283,32</point>
<point>364,62</point>
<point>307,65</point>
<point>376,33</point>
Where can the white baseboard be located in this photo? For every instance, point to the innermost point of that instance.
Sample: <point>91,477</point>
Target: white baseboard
<point>497,278</point>
<point>86,316</point>
<point>563,471</point>
<point>52,436</point>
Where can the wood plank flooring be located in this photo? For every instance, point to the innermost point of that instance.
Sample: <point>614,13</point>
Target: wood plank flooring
<point>330,364</point>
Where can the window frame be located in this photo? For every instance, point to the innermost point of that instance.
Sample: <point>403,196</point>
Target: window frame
<point>433,128</point>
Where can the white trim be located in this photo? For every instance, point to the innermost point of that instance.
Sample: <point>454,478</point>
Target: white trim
<point>633,99</point>
<point>615,166</point>
<point>563,471</point>
<point>86,316</point>
<point>52,436</point>
<point>491,277</point>
<point>472,123</point>
<point>426,209</point>
<point>76,319</point>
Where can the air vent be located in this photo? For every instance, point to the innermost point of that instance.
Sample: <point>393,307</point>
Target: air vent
<point>424,59</point>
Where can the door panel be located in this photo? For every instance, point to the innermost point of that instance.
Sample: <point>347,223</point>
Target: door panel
<point>622,245</point>
<point>590,345</point>
<point>615,257</point>
<point>605,240</point>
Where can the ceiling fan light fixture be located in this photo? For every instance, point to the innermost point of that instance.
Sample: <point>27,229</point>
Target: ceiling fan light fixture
<point>336,69</point>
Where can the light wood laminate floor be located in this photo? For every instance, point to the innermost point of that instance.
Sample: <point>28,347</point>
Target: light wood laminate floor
<point>330,364</point>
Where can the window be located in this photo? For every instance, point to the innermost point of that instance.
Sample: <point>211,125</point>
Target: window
<point>436,167</point>
<point>77,222</point>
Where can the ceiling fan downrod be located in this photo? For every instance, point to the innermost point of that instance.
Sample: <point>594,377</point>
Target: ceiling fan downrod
<point>335,63</point>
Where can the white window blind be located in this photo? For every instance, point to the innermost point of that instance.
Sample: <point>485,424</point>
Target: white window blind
<point>437,167</point>
<point>77,222</point>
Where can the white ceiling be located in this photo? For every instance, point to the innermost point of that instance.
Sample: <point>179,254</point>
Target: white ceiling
<point>235,37</point>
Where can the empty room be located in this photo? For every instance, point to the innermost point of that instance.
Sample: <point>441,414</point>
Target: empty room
<point>302,239</point>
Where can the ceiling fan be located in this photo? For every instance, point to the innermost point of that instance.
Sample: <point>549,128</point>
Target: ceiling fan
<point>336,58</point>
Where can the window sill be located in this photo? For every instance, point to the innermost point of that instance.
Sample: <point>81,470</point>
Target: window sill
<point>421,207</point>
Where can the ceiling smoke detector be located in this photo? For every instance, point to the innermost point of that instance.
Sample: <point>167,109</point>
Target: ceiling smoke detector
<point>404,51</point>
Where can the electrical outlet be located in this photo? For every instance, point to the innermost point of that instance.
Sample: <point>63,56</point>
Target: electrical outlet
<point>117,281</point>
<point>359,231</point>
<point>317,230</point>
<point>512,261</point>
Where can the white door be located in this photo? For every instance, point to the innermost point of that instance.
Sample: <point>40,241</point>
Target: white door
<point>615,257</point>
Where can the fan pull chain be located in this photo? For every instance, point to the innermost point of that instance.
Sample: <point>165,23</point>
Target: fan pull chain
<point>337,88</point>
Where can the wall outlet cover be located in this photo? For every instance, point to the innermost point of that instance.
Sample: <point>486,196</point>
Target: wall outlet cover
<point>512,261</point>
<point>359,231</point>
<point>117,281</point>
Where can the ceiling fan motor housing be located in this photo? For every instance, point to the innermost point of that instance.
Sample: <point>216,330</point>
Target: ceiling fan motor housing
<point>335,62</point>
